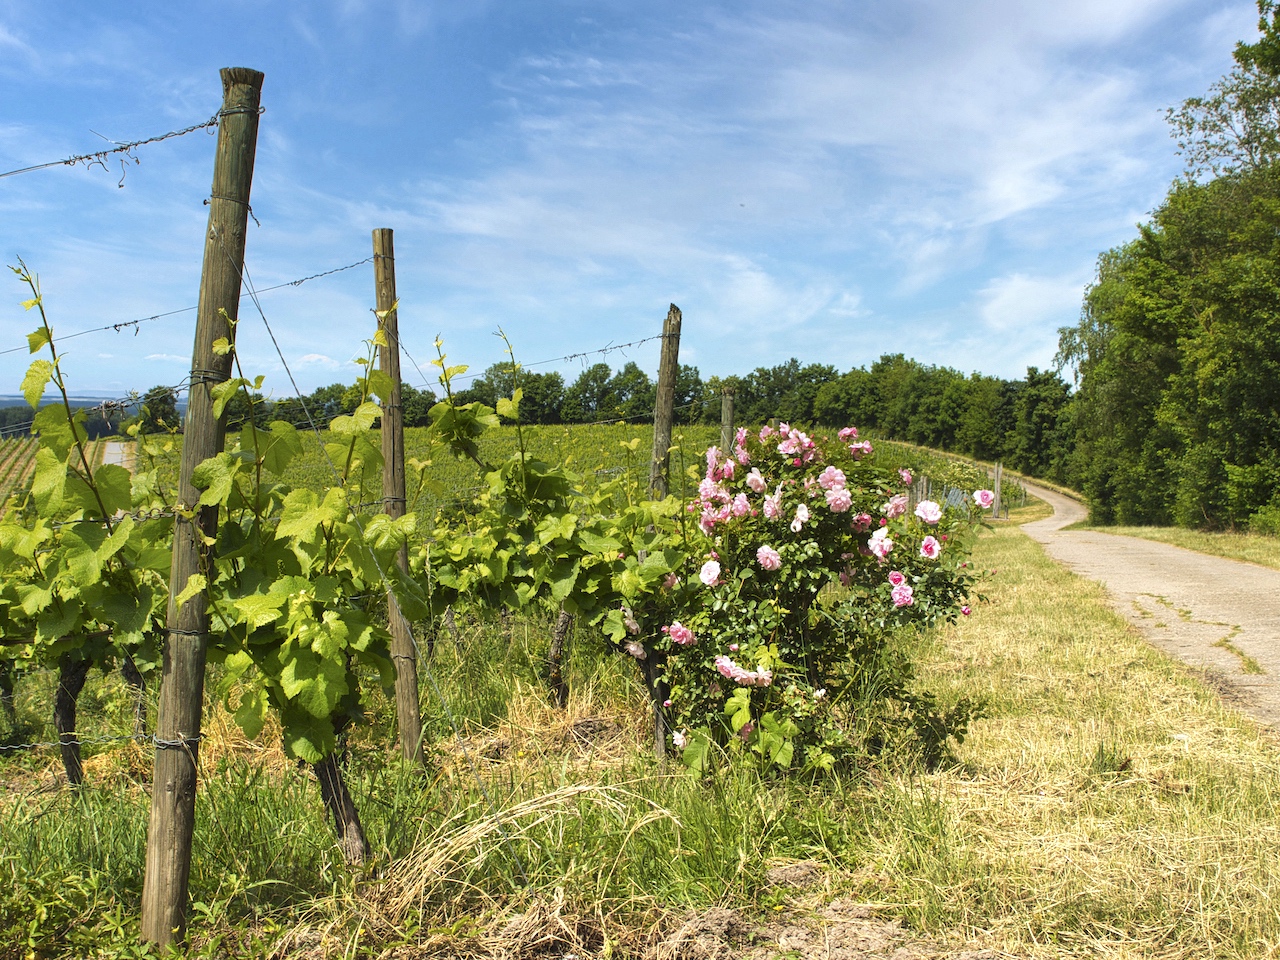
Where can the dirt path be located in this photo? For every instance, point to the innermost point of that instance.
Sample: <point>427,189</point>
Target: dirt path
<point>1220,615</point>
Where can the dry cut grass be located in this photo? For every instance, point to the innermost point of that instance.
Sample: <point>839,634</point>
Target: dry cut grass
<point>1110,805</point>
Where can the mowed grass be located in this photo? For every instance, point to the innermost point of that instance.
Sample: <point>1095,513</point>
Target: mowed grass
<point>1108,805</point>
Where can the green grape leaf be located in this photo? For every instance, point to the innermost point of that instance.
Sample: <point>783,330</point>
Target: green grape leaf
<point>311,682</point>
<point>279,446</point>
<point>303,513</point>
<point>215,477</point>
<point>58,620</point>
<point>697,753</point>
<point>38,338</point>
<point>359,421</point>
<point>564,576</point>
<point>128,615</point>
<point>196,583</point>
<point>380,384</point>
<point>251,715</point>
<point>36,379</point>
<point>34,597</point>
<point>48,486</point>
<point>114,485</point>
<point>23,542</point>
<point>410,597</point>
<point>57,433</point>
<point>628,583</point>
<point>257,610</point>
<point>329,637</point>
<point>510,408</point>
<point>594,543</point>
<point>306,737</point>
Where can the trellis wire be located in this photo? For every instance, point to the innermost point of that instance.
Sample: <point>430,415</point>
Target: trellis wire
<point>99,157</point>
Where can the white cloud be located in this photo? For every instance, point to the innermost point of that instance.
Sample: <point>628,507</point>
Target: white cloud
<point>1018,302</point>
<point>317,360</point>
<point>166,357</point>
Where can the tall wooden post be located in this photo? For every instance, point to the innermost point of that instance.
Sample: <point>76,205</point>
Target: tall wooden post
<point>403,651</point>
<point>997,482</point>
<point>664,408</point>
<point>173,794</point>
<point>668,370</point>
<point>726,422</point>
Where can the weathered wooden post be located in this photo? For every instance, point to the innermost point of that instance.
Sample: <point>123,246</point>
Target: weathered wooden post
<point>726,421</point>
<point>173,794</point>
<point>997,482</point>
<point>668,370</point>
<point>664,408</point>
<point>404,653</point>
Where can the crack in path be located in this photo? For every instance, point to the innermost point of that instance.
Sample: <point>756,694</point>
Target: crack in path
<point>1182,602</point>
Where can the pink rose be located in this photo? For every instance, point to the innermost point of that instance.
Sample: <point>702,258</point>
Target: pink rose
<point>768,558</point>
<point>861,523</point>
<point>965,610</point>
<point>848,433</point>
<point>802,517</point>
<point>928,511</point>
<point>905,474</point>
<point>896,578</point>
<point>773,505</point>
<point>831,478</point>
<point>755,480</point>
<point>930,548</point>
<point>984,498</point>
<point>679,634</point>
<point>740,506</point>
<point>896,506</point>
<point>710,573</point>
<point>637,650</point>
<point>880,544</point>
<point>901,595</point>
<point>839,500</point>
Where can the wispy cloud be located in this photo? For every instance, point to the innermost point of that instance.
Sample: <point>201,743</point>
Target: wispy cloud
<point>828,180</point>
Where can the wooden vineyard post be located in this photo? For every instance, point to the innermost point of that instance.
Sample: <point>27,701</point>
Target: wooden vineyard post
<point>404,652</point>
<point>996,482</point>
<point>726,421</point>
<point>668,370</point>
<point>664,408</point>
<point>173,794</point>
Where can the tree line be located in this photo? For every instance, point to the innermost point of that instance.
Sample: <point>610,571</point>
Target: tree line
<point>1177,352</point>
<point>1173,415</point>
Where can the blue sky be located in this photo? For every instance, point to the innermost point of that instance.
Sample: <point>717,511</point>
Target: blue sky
<point>825,180</point>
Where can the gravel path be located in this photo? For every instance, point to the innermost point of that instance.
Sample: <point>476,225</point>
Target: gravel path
<point>1222,616</point>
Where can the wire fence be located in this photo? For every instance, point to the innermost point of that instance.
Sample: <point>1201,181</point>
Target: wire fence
<point>122,150</point>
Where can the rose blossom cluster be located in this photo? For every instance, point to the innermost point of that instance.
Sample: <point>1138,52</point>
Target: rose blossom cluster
<point>716,504</point>
<point>679,633</point>
<point>901,593</point>
<point>768,558</point>
<point>795,444</point>
<point>747,678</point>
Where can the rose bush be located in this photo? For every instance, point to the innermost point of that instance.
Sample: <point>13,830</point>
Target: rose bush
<point>811,566</point>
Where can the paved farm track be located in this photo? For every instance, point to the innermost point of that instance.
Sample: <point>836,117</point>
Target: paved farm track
<point>1222,616</point>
